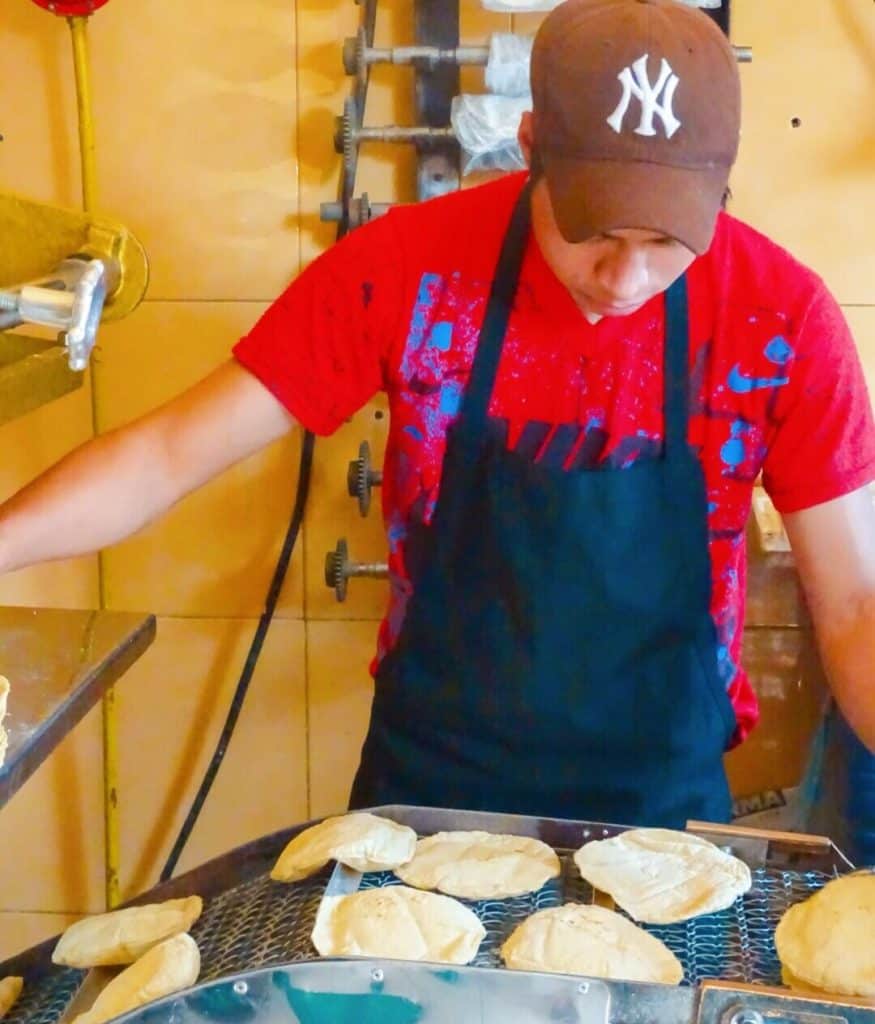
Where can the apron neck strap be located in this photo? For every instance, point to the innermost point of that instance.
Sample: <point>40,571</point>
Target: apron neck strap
<point>676,398</point>
<point>475,403</point>
<point>478,392</point>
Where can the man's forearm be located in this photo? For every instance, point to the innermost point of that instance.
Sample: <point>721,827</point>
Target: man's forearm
<point>848,654</point>
<point>95,496</point>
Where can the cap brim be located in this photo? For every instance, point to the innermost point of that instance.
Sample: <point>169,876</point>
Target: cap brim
<point>590,197</point>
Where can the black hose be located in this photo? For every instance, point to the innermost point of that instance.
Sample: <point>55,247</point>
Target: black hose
<point>273,594</point>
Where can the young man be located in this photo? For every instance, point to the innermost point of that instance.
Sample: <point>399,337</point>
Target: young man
<point>587,369</point>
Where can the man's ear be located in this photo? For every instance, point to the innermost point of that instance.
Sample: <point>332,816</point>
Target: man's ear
<point>526,136</point>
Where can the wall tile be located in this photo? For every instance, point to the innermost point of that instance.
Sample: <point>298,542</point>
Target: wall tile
<point>20,931</point>
<point>810,187</point>
<point>339,693</point>
<point>56,862</point>
<point>195,109</point>
<point>172,706</point>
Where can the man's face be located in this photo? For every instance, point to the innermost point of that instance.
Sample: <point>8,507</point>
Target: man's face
<point>612,274</point>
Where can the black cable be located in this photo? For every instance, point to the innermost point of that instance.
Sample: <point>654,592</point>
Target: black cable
<point>273,594</point>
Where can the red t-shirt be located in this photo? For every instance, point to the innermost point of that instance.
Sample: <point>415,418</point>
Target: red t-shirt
<point>776,384</point>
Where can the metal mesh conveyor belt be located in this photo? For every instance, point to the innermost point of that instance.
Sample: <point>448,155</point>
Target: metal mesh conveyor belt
<point>260,923</point>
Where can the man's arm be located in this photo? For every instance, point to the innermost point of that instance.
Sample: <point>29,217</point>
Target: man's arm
<point>834,550</point>
<point>115,484</point>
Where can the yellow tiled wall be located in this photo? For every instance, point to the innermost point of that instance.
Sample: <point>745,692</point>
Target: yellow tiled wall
<point>214,138</point>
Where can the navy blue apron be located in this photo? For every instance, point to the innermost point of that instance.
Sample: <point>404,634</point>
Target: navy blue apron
<point>558,657</point>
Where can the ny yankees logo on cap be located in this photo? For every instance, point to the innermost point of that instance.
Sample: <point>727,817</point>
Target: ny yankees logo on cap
<point>635,118</point>
<point>636,83</point>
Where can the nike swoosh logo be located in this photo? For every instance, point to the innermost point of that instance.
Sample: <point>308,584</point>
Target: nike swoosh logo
<point>742,385</point>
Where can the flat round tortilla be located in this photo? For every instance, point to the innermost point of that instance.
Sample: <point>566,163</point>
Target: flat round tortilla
<point>828,941</point>
<point>123,936</point>
<point>589,940</point>
<point>398,923</point>
<point>362,841</point>
<point>169,967</point>
<point>660,876</point>
<point>480,865</point>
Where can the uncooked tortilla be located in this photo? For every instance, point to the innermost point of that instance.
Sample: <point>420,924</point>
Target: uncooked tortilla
<point>828,941</point>
<point>4,696</point>
<point>169,967</point>
<point>480,865</point>
<point>660,876</point>
<point>10,990</point>
<point>578,939</point>
<point>361,841</point>
<point>398,923</point>
<point>121,936</point>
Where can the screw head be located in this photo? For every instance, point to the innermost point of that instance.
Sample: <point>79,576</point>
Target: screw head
<point>240,988</point>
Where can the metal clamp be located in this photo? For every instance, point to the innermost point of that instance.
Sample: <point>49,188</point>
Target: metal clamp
<point>339,567</point>
<point>70,299</point>
<point>360,478</point>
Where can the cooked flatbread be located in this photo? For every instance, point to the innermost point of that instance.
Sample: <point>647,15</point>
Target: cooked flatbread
<point>4,696</point>
<point>480,865</point>
<point>828,940</point>
<point>660,876</point>
<point>121,936</point>
<point>578,939</point>
<point>10,990</point>
<point>361,841</point>
<point>169,967</point>
<point>399,923</point>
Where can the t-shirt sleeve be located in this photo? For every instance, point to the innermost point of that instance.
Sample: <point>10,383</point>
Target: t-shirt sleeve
<point>323,346</point>
<point>823,444</point>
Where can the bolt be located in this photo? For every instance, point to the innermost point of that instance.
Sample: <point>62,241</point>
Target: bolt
<point>377,974</point>
<point>746,1017</point>
<point>240,988</point>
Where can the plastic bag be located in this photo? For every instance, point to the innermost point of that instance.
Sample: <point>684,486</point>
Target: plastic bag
<point>507,70</point>
<point>486,127</point>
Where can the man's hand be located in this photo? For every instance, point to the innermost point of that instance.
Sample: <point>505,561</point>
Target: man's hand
<point>834,549</point>
<point>119,482</point>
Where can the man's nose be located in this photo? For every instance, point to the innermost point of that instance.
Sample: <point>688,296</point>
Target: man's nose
<point>623,272</point>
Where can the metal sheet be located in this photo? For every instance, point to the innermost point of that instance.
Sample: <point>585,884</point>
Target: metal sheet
<point>59,663</point>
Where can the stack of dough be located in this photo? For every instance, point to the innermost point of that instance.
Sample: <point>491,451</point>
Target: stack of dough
<point>577,939</point>
<point>480,865</point>
<point>827,943</point>
<point>10,990</point>
<point>661,876</point>
<point>4,696</point>
<point>398,923</point>
<point>152,938</point>
<point>361,841</point>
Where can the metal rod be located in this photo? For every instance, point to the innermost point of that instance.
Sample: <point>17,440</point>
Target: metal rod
<point>432,56</point>
<point>426,55</point>
<point>402,133</point>
<point>79,32</point>
<point>112,839</point>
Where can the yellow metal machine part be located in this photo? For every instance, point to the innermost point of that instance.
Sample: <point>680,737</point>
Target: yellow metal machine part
<point>34,239</point>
